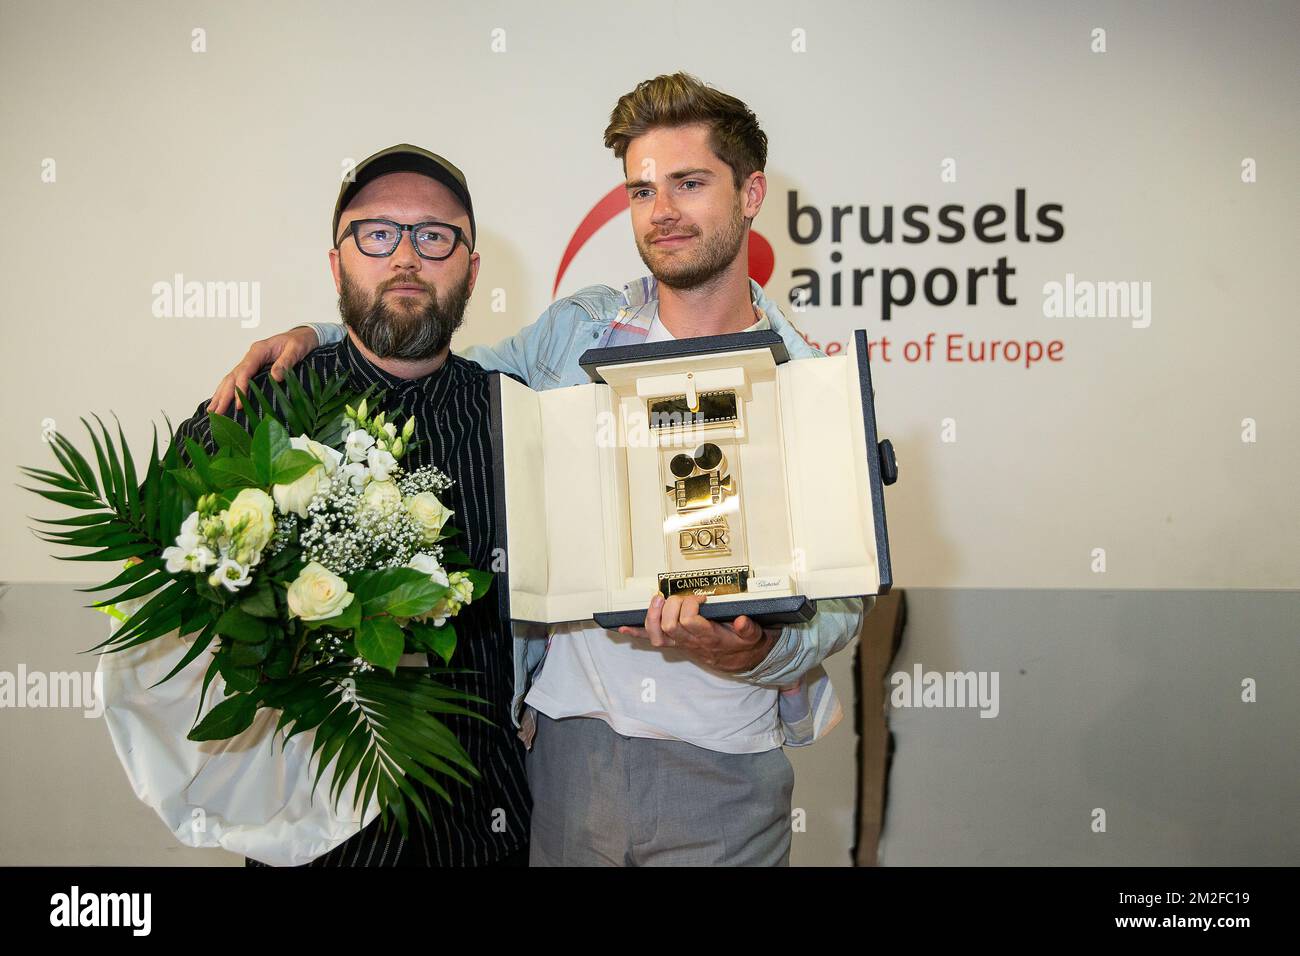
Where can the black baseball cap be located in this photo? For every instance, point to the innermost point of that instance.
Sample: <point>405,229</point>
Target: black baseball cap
<point>400,159</point>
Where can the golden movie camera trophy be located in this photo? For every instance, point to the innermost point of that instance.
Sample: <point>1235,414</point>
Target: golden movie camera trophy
<point>702,484</point>
<point>702,522</point>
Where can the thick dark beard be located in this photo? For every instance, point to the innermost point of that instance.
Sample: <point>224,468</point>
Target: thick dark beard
<point>401,333</point>
<point>713,258</point>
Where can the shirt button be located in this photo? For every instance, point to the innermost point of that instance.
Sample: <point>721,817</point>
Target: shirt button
<point>595,335</point>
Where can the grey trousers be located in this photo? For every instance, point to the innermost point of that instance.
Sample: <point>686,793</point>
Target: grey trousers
<point>602,799</point>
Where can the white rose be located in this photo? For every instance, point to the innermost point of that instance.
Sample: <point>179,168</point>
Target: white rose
<point>329,457</point>
<point>429,513</point>
<point>253,507</point>
<point>381,496</point>
<point>318,593</point>
<point>358,443</point>
<point>294,497</point>
<point>381,463</point>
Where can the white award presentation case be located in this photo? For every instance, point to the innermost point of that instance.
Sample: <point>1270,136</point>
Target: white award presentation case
<point>710,465</point>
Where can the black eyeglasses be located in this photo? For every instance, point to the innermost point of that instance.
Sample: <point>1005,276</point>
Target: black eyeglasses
<point>381,237</point>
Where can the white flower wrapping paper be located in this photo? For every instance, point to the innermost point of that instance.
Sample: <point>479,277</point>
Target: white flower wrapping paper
<point>250,794</point>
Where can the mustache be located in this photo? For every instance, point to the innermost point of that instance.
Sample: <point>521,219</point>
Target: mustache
<point>657,234</point>
<point>392,283</point>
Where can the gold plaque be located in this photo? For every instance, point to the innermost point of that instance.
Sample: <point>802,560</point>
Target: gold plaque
<point>715,581</point>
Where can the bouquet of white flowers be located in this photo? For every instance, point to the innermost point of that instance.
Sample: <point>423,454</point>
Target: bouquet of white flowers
<point>307,560</point>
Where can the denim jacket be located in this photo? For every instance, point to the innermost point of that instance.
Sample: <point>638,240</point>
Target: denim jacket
<point>545,355</point>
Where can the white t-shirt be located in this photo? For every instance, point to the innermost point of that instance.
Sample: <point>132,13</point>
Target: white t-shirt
<point>645,691</point>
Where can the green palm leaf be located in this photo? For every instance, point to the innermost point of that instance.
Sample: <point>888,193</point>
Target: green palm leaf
<point>384,738</point>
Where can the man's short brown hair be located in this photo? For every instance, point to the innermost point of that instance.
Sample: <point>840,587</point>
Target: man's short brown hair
<point>678,99</point>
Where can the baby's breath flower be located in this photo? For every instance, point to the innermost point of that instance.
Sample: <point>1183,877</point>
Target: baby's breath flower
<point>427,478</point>
<point>345,537</point>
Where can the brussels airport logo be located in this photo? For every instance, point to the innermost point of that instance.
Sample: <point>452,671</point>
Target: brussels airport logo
<point>831,242</point>
<point>846,227</point>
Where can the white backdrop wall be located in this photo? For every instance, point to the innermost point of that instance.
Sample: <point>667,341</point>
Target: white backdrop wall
<point>137,150</point>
